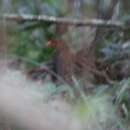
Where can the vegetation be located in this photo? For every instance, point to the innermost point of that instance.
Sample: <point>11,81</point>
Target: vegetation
<point>87,66</point>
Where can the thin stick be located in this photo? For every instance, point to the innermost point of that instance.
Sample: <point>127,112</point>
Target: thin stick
<point>69,21</point>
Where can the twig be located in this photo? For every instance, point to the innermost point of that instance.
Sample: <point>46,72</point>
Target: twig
<point>69,21</point>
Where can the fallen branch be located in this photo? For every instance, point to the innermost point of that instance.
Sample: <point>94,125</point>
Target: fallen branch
<point>69,21</point>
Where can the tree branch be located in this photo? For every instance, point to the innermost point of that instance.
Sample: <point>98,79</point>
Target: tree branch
<point>69,21</point>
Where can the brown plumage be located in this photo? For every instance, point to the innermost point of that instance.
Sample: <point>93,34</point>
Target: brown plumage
<point>68,64</point>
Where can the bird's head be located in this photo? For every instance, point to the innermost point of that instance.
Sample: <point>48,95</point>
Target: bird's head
<point>53,43</point>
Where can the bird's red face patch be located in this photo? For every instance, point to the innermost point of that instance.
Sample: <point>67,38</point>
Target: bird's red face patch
<point>52,43</point>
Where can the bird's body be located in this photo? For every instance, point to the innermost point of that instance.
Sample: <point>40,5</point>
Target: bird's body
<point>68,64</point>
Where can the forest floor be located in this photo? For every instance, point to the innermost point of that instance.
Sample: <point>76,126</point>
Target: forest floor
<point>24,104</point>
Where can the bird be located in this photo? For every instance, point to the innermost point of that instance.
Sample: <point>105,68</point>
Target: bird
<point>68,64</point>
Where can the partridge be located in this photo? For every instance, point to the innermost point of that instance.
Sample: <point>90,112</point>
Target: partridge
<point>68,64</point>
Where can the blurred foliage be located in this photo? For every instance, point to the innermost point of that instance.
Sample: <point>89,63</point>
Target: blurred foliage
<point>49,7</point>
<point>24,45</point>
<point>30,38</point>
